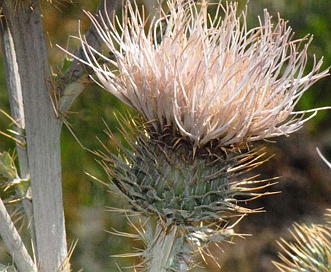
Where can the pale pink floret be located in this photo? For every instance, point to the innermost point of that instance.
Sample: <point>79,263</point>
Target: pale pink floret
<point>210,79</point>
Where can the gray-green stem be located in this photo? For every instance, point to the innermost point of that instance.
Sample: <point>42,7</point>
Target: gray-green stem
<point>168,251</point>
<point>42,132</point>
<point>14,243</point>
<point>17,113</point>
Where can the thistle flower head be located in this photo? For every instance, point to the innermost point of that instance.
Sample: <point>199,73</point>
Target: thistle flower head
<point>203,87</point>
<point>209,79</point>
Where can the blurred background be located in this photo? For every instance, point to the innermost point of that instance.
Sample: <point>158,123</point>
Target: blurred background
<point>305,181</point>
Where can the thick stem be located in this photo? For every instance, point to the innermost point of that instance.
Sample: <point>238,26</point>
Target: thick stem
<point>42,132</point>
<point>17,113</point>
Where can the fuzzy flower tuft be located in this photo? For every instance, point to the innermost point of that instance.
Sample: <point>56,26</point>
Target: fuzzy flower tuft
<point>211,80</point>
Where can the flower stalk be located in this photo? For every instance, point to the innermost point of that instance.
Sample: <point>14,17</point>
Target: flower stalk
<point>163,253</point>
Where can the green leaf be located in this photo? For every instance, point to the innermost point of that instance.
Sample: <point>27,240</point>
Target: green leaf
<point>7,167</point>
<point>66,64</point>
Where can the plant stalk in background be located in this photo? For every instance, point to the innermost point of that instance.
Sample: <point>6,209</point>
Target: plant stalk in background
<point>38,119</point>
